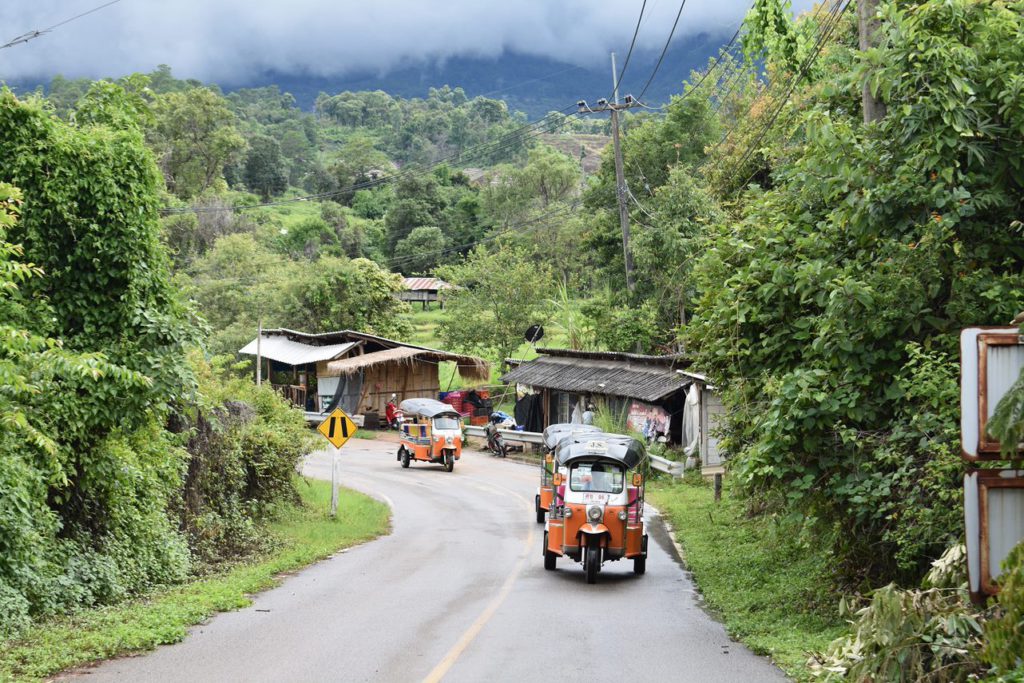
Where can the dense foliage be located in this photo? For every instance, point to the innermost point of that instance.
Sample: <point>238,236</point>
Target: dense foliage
<point>93,504</point>
<point>831,303</point>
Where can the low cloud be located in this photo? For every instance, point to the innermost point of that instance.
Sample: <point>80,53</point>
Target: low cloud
<point>237,40</point>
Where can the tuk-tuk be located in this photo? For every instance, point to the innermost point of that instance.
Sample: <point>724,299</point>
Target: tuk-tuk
<point>597,511</point>
<point>431,432</point>
<point>552,436</point>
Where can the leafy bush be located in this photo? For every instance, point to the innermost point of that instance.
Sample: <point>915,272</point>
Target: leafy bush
<point>931,635</point>
<point>244,445</point>
<point>1004,633</point>
<point>829,305</point>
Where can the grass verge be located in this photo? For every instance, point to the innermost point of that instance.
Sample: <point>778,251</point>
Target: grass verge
<point>769,588</point>
<point>306,534</point>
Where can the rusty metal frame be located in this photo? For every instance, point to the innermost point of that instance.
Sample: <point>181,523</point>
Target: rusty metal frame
<point>989,449</point>
<point>990,479</point>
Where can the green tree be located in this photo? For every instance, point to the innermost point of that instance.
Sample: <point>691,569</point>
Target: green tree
<point>334,293</point>
<point>420,252</point>
<point>265,171</point>
<point>236,283</point>
<point>829,303</point>
<point>499,296</point>
<point>194,137</point>
<point>100,490</point>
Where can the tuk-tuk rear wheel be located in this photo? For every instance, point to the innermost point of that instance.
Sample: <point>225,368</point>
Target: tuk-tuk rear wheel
<point>550,558</point>
<point>639,565</point>
<point>540,511</point>
<point>592,561</point>
<point>405,457</point>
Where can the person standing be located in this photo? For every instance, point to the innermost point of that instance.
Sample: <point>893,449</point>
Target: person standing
<point>588,414</point>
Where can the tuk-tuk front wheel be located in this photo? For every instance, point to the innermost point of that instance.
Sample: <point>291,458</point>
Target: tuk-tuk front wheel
<point>640,562</point>
<point>592,560</point>
<point>449,462</point>
<point>549,557</point>
<point>404,454</point>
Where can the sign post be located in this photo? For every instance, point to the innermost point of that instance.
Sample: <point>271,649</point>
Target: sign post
<point>338,428</point>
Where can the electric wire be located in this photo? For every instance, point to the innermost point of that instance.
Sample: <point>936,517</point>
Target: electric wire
<point>535,222</point>
<point>739,119</point>
<point>511,140</point>
<point>25,37</point>
<point>632,44</point>
<point>664,50</point>
<point>827,30</point>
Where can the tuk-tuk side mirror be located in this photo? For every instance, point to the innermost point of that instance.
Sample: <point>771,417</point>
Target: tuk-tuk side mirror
<point>556,479</point>
<point>638,479</point>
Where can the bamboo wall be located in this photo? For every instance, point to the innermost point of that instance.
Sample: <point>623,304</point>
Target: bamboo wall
<point>408,379</point>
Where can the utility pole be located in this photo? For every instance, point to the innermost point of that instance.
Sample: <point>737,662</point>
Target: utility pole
<point>867,31</point>
<point>620,178</point>
<point>259,355</point>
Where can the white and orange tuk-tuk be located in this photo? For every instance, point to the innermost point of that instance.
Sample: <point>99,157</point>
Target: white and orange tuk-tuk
<point>431,432</point>
<point>596,514</point>
<point>553,435</point>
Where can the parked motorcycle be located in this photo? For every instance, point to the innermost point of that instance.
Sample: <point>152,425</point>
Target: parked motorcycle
<point>394,415</point>
<point>495,441</point>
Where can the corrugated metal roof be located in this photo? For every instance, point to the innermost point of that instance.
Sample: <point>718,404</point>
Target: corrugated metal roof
<point>669,359</point>
<point>421,283</point>
<point>632,379</point>
<point>284,350</point>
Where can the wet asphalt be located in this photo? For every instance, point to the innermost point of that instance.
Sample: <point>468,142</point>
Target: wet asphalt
<point>457,592</point>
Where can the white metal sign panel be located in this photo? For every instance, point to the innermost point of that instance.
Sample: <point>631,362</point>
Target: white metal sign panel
<point>994,524</point>
<point>991,360</point>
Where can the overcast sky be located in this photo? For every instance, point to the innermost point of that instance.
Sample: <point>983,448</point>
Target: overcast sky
<point>235,40</point>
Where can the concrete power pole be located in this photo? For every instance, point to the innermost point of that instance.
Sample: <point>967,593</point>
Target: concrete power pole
<point>867,30</point>
<point>620,177</point>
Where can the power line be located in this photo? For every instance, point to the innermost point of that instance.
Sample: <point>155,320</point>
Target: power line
<point>535,222</point>
<point>632,43</point>
<point>736,122</point>
<point>25,37</point>
<point>663,51</point>
<point>511,140</point>
<point>827,32</point>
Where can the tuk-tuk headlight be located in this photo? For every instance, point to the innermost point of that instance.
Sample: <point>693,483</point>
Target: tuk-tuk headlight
<point>449,440</point>
<point>622,515</point>
<point>595,513</point>
<point>568,512</point>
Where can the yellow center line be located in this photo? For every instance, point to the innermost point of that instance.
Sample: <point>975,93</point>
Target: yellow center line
<point>445,665</point>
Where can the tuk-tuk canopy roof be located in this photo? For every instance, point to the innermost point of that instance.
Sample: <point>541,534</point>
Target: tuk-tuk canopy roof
<point>619,448</point>
<point>556,432</point>
<point>428,408</point>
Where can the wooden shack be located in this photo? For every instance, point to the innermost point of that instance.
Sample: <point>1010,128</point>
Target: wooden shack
<point>424,290</point>
<point>367,368</point>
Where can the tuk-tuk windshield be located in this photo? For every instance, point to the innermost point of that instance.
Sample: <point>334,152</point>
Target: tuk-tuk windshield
<point>596,476</point>
<point>445,422</point>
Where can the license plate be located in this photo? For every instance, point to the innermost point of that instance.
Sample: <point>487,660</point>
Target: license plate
<point>595,497</point>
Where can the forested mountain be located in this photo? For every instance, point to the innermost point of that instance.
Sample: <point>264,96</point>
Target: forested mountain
<point>530,84</point>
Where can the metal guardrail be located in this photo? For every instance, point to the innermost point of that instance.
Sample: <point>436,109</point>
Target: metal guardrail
<point>509,434</point>
<point>670,467</point>
<point>667,466</point>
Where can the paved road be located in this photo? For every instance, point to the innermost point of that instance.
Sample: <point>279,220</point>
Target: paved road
<point>457,591</point>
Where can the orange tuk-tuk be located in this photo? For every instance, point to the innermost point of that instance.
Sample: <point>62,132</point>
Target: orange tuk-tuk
<point>431,432</point>
<point>597,510</point>
<point>553,435</point>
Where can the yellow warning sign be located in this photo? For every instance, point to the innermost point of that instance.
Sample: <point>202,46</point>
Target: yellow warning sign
<point>337,428</point>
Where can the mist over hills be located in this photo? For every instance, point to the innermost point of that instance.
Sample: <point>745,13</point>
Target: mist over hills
<point>531,84</point>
